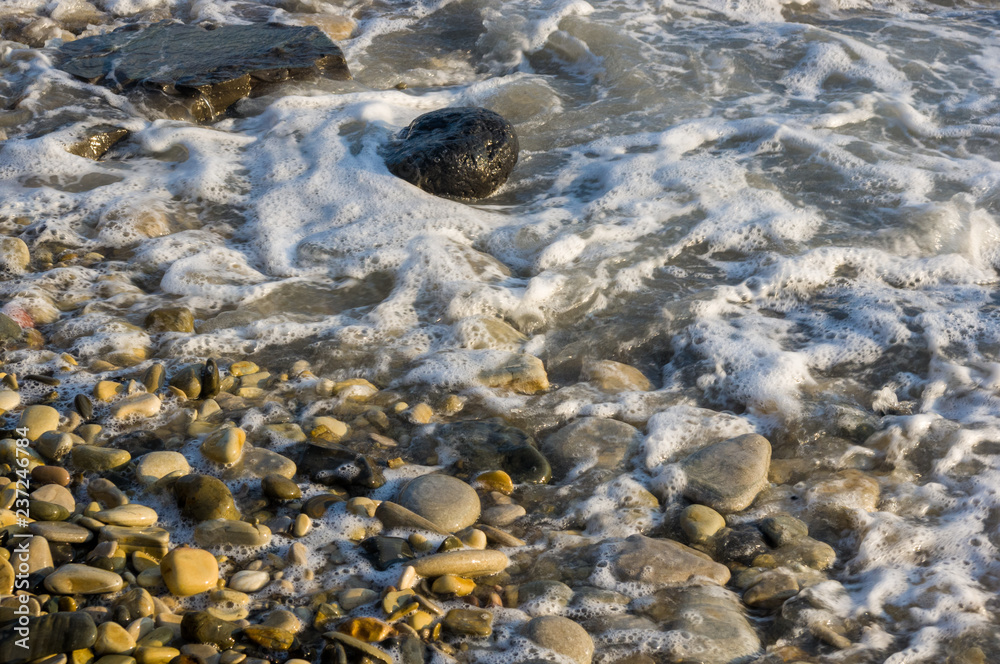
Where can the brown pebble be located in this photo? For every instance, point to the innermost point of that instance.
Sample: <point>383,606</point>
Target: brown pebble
<point>50,475</point>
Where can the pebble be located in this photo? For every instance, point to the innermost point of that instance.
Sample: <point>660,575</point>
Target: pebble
<point>272,638</point>
<point>727,476</point>
<point>502,515</point>
<point>260,462</point>
<point>700,523</point>
<point>155,654</point>
<point>278,487</point>
<point>396,516</point>
<point>128,515</point>
<point>449,584</point>
<point>229,532</point>
<point>495,480</point>
<point>661,562</point>
<point>51,634</point>
<point>201,498</point>
<point>203,627</point>
<point>54,445</point>
<point>468,563</point>
<point>370,630</point>
<point>51,475</point>
<point>9,400</point>
<point>447,501</point>
<point>39,557</point>
<point>614,376</point>
<point>782,529</point>
<point>38,420</point>
<point>563,636</point>
<point>225,445</point>
<point>107,390</point>
<point>302,526</point>
<point>153,541</point>
<point>229,604</point>
<point>332,428</point>
<point>14,255</point>
<point>61,532</point>
<point>53,493</point>
<point>249,581</point>
<point>352,598</point>
<point>113,639</point>
<point>74,579</point>
<point>543,597</point>
<point>99,459</point>
<point>520,372</point>
<point>470,622</point>
<point>106,493</point>
<point>188,571</point>
<point>772,589</point>
<point>359,645</point>
<point>136,406</point>
<point>154,466</point>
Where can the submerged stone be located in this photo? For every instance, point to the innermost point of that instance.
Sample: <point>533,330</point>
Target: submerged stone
<point>463,152</point>
<point>197,71</point>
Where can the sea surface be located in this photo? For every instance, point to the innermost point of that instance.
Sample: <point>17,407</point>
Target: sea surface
<point>783,214</point>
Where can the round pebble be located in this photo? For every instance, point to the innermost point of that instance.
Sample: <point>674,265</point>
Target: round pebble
<point>563,636</point>
<point>38,420</point>
<point>188,571</point>
<point>446,501</point>
<point>154,466</point>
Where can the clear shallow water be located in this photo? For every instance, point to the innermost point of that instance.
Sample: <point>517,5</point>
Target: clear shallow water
<point>778,211</point>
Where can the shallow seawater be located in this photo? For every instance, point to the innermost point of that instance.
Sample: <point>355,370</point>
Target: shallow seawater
<point>784,215</point>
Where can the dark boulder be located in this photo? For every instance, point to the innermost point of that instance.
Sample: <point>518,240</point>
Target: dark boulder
<point>464,152</point>
<point>190,71</point>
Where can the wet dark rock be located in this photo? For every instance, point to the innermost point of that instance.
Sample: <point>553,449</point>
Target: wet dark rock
<point>97,142</point>
<point>464,152</point>
<point>189,71</point>
<point>387,550</point>
<point>782,529</point>
<point>484,445</point>
<point>739,545</point>
<point>201,497</point>
<point>48,635</point>
<point>335,465</point>
<point>203,627</point>
<point>210,380</point>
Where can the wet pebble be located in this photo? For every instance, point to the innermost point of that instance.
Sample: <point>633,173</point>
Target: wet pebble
<point>154,466</point>
<point>76,579</point>
<point>563,636</point>
<point>446,501</point>
<point>189,571</point>
<point>727,476</point>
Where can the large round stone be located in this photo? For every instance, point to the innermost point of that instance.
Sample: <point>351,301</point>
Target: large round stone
<point>156,465</point>
<point>463,152</point>
<point>446,501</point>
<point>727,476</point>
<point>189,571</point>
<point>563,636</point>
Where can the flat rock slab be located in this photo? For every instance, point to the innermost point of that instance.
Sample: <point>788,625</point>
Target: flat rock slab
<point>211,68</point>
<point>464,152</point>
